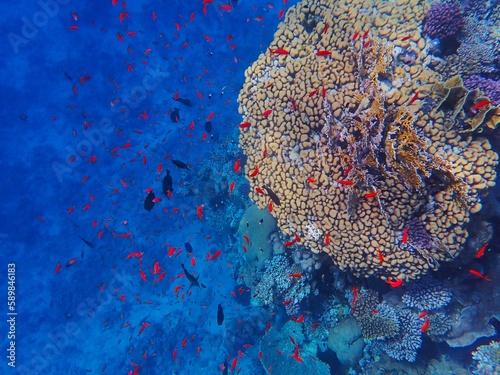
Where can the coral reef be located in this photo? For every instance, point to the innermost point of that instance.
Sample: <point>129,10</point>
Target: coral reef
<point>353,152</point>
<point>277,352</point>
<point>347,342</point>
<point>427,294</point>
<point>444,20</point>
<point>404,346</point>
<point>260,225</point>
<point>489,86</point>
<point>487,359</point>
<point>276,285</point>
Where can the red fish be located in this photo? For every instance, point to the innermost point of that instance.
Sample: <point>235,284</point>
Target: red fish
<point>371,195</point>
<point>210,116</point>
<point>267,112</point>
<point>312,93</point>
<point>71,262</point>
<point>235,362</point>
<point>58,268</point>
<point>478,274</point>
<point>480,253</point>
<point>278,51</point>
<point>423,314</point>
<point>354,295</point>
<point>380,257</point>
<point>259,190</point>
<point>246,239</point>
<point>345,182</point>
<point>395,284</point>
<point>300,319</point>
<point>157,199</point>
<point>193,261</point>
<point>255,171</point>
<point>171,252</point>
<point>405,235</point>
<point>231,187</point>
<point>174,354</point>
<point>405,38</point>
<point>143,275</point>
<point>70,210</point>
<point>365,34</point>
<point>289,243</point>
<point>226,7</point>
<point>425,326</point>
<point>414,97</point>
<point>281,13</point>
<point>323,53</point>
<point>270,206</point>
<point>355,36</point>
<point>183,343</point>
<point>216,255</point>
<point>199,211</point>
<point>244,125</point>
<point>311,180</point>
<point>327,239</point>
<point>237,166</point>
<point>296,275</point>
<point>481,104</point>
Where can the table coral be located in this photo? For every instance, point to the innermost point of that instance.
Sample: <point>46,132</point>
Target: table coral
<point>345,147</point>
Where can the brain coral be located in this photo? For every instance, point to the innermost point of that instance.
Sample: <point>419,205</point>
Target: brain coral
<point>347,147</point>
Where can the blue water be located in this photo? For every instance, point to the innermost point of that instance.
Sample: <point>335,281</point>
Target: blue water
<point>86,130</point>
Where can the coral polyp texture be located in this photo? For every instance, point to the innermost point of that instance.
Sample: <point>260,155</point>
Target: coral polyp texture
<point>359,148</point>
<point>444,20</point>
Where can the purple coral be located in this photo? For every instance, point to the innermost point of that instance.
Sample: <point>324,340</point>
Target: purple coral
<point>490,87</point>
<point>443,20</point>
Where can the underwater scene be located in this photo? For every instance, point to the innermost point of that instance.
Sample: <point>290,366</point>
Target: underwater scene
<point>250,187</point>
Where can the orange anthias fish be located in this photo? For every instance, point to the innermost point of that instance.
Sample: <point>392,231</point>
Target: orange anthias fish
<point>255,171</point>
<point>481,104</point>
<point>395,284</point>
<point>199,211</point>
<point>479,274</point>
<point>480,252</point>
<point>425,326</point>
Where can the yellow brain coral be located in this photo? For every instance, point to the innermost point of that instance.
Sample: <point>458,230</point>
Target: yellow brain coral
<point>348,145</point>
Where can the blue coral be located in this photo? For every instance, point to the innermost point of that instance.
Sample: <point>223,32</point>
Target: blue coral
<point>443,20</point>
<point>487,359</point>
<point>489,86</point>
<point>405,345</point>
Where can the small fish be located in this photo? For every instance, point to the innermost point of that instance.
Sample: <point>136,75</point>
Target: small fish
<point>481,104</point>
<point>480,252</point>
<point>267,112</point>
<point>180,165</point>
<point>88,243</point>
<point>234,363</point>
<point>220,315</point>
<point>345,182</point>
<point>423,314</point>
<point>199,211</point>
<point>371,195</point>
<point>323,53</point>
<point>405,235</point>
<point>394,284</point>
<point>143,275</point>
<point>405,38</point>
<point>425,326</point>
<point>414,97</point>
<point>270,206</point>
<point>255,171</point>
<point>149,202</point>
<point>311,180</point>
<point>244,125</point>
<point>175,115</point>
<point>300,319</point>
<point>71,262</point>
<point>380,257</point>
<point>237,166</point>
<point>272,195</point>
<point>327,239</point>
<point>278,51</point>
<point>355,36</point>
<point>296,275</point>
<point>478,274</point>
<point>216,255</point>
<point>231,187</point>
<point>58,268</point>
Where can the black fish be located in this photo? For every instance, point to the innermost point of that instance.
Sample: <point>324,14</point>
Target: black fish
<point>148,203</point>
<point>175,115</point>
<point>186,102</point>
<point>272,195</point>
<point>167,185</point>
<point>193,280</point>
<point>179,164</point>
<point>220,315</point>
<point>88,243</point>
<point>188,248</point>
<point>208,126</point>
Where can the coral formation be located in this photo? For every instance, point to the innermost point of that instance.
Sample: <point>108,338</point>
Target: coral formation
<point>346,149</point>
<point>427,294</point>
<point>444,20</point>
<point>277,352</point>
<point>487,359</point>
<point>404,346</point>
<point>347,342</point>
<point>381,323</point>
<point>489,86</point>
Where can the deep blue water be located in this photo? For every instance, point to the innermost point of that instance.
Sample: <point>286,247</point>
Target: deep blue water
<point>87,128</point>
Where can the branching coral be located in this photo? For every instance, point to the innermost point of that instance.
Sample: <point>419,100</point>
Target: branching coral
<point>488,359</point>
<point>427,294</point>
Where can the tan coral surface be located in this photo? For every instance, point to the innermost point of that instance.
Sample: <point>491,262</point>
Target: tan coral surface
<point>304,108</point>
